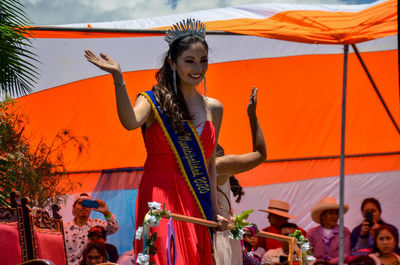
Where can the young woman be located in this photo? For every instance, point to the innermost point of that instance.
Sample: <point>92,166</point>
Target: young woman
<point>252,253</point>
<point>362,236</point>
<point>94,253</point>
<point>228,251</point>
<point>181,132</point>
<point>384,245</point>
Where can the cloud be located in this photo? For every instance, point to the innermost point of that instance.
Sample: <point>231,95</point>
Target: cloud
<point>56,12</point>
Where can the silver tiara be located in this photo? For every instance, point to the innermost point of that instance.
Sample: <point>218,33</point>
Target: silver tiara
<point>188,27</point>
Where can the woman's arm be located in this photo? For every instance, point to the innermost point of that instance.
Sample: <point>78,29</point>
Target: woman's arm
<point>216,109</point>
<point>130,117</point>
<point>233,164</point>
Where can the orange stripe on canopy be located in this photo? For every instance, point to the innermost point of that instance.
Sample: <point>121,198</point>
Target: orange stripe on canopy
<point>318,26</point>
<point>298,109</point>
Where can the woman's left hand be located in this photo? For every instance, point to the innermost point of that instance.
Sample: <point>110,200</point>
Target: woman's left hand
<point>223,223</point>
<point>251,107</point>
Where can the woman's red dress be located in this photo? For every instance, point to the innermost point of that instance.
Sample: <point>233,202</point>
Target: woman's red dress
<point>163,182</point>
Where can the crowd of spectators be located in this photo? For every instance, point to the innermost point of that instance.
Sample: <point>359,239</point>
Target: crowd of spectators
<point>372,242</point>
<point>83,230</point>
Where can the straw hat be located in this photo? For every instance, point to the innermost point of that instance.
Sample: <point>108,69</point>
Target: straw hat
<point>280,208</point>
<point>328,203</point>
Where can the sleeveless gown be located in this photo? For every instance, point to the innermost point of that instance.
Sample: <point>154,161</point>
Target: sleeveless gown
<point>227,251</point>
<point>163,182</point>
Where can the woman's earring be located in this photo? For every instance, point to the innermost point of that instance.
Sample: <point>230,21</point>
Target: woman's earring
<point>205,86</point>
<point>174,81</point>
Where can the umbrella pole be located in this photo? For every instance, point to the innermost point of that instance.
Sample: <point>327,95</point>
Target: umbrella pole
<point>342,155</point>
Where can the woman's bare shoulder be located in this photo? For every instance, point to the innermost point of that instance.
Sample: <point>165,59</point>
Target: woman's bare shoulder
<point>214,104</point>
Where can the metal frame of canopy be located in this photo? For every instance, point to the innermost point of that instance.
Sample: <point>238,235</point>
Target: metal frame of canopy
<point>343,131</point>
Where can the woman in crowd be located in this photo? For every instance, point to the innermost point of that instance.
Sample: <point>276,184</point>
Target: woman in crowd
<point>363,235</point>
<point>228,251</point>
<point>181,129</point>
<point>324,239</point>
<point>94,253</point>
<point>384,245</point>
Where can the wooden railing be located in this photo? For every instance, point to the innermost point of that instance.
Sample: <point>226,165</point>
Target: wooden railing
<point>291,240</point>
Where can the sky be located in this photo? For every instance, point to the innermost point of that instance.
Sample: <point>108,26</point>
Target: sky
<point>58,12</point>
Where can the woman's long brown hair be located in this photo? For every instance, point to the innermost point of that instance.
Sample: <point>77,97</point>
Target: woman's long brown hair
<point>174,104</point>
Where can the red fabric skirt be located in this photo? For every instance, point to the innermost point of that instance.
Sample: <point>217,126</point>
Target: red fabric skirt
<point>163,182</point>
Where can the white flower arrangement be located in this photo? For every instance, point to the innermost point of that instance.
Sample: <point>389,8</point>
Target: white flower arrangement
<point>139,233</point>
<point>154,206</point>
<point>151,219</point>
<point>305,248</point>
<point>239,235</point>
<point>143,259</point>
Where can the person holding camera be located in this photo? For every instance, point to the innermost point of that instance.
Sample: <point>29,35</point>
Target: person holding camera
<point>76,231</point>
<point>362,236</point>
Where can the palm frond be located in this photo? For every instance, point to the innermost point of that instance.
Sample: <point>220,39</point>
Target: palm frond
<point>17,71</point>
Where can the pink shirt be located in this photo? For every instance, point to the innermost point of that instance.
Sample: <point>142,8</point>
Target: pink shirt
<point>331,250</point>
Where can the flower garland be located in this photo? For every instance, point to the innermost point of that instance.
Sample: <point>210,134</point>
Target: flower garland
<point>151,219</point>
<point>305,248</point>
<point>240,223</point>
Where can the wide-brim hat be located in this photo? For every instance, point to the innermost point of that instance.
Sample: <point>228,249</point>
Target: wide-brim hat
<point>280,208</point>
<point>328,203</point>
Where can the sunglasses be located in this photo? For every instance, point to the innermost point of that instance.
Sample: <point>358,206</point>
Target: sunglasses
<point>94,257</point>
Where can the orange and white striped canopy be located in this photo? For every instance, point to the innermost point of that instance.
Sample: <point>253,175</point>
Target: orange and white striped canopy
<point>292,53</point>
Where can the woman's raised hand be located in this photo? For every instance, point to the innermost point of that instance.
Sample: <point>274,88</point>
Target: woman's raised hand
<point>251,108</point>
<point>105,63</point>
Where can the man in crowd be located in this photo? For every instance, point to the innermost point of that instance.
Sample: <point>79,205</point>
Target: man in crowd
<point>76,231</point>
<point>98,233</point>
<point>279,256</point>
<point>278,214</point>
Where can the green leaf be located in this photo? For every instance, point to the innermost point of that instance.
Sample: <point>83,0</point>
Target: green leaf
<point>154,236</point>
<point>153,250</point>
<point>246,214</point>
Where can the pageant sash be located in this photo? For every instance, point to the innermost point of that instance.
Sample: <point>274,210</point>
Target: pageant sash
<point>189,155</point>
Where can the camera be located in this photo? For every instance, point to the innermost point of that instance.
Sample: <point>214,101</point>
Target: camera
<point>90,204</point>
<point>369,218</point>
